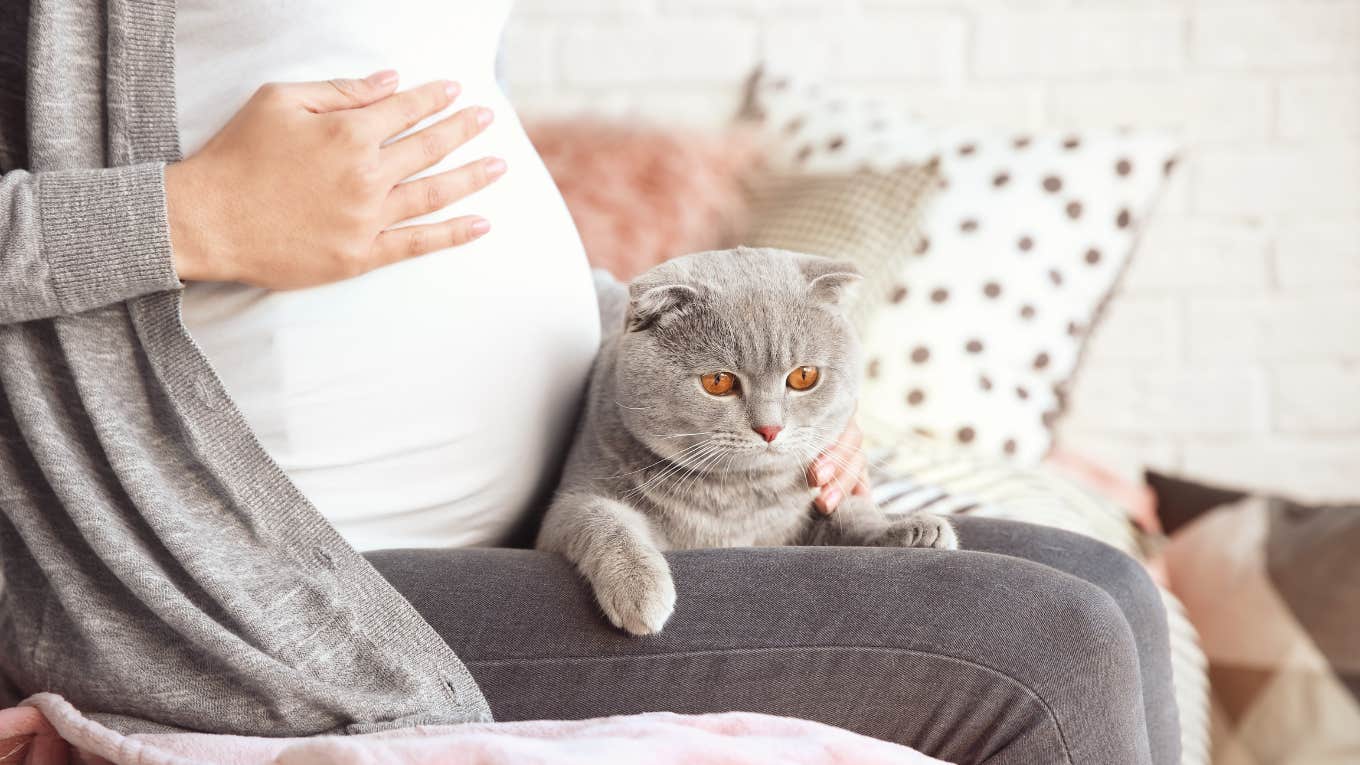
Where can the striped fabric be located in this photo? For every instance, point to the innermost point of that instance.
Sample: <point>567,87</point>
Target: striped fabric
<point>919,474</point>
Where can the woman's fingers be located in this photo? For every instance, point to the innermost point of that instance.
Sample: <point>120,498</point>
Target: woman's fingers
<point>403,110</point>
<point>843,482</point>
<point>841,470</point>
<point>340,93</point>
<point>403,158</point>
<point>426,195</point>
<point>398,244</point>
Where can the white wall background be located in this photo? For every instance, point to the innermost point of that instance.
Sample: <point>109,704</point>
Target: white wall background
<point>1232,350</point>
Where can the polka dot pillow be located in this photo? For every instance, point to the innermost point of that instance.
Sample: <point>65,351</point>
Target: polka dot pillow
<point>1021,246</point>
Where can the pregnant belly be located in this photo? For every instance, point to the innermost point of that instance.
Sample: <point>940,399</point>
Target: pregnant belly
<point>426,403</point>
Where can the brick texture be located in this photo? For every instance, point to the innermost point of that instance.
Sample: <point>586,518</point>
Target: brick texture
<point>1232,350</point>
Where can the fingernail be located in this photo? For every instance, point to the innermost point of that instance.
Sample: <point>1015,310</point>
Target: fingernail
<point>480,226</point>
<point>823,472</point>
<point>484,116</point>
<point>451,89</point>
<point>494,167</point>
<point>831,496</point>
<point>384,78</point>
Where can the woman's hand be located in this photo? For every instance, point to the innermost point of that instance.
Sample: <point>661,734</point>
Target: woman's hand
<point>841,470</point>
<point>299,189</point>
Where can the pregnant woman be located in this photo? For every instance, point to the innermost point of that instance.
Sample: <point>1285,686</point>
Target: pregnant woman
<point>273,357</point>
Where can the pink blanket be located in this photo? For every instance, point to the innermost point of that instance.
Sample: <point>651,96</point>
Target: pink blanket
<point>46,730</point>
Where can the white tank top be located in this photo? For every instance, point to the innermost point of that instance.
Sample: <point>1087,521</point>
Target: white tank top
<point>425,404</point>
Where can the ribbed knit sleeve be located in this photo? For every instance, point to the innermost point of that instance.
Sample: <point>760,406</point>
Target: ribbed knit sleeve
<point>73,240</point>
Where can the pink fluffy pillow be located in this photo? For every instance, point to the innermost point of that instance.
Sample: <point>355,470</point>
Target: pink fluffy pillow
<point>640,195</point>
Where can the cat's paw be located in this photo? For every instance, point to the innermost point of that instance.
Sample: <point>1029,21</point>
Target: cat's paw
<point>637,596</point>
<point>921,530</point>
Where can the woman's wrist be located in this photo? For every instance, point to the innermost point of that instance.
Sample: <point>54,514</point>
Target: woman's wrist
<point>184,200</point>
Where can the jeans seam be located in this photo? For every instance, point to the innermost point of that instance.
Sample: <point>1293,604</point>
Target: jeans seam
<point>1031,692</point>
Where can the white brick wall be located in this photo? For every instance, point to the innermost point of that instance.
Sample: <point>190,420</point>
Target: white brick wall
<point>1233,349</point>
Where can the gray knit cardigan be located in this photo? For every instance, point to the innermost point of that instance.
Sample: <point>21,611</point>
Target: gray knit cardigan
<point>158,568</point>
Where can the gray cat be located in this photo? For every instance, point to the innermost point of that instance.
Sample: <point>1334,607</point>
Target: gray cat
<point>733,371</point>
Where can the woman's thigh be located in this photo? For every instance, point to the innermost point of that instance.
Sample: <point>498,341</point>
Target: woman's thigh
<point>970,656</point>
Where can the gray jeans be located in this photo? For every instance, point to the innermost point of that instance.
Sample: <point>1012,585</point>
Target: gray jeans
<point>1030,646</point>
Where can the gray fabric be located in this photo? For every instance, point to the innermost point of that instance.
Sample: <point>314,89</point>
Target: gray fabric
<point>156,563</point>
<point>1031,645</point>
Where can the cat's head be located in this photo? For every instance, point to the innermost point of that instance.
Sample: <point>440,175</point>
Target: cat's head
<point>739,358</point>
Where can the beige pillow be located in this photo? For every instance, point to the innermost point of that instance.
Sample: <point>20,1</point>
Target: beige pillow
<point>869,218</point>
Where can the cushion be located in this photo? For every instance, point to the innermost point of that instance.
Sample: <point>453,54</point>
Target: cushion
<point>1020,250</point>
<point>642,194</point>
<point>869,218</point>
<point>1273,587</point>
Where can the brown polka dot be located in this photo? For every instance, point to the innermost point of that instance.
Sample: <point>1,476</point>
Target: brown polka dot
<point>1021,393</point>
<point>836,143</point>
<point>804,153</point>
<point>1092,256</point>
<point>968,225</point>
<point>1168,166</point>
<point>874,367</point>
<point>1071,142</point>
<point>984,382</point>
<point>1074,329</point>
<point>1025,243</point>
<point>973,346</point>
<point>1009,447</point>
<point>967,149</point>
<point>1041,361</point>
<point>1074,209</point>
<point>939,295</point>
<point>1052,184</point>
<point>915,397</point>
<point>1123,166</point>
<point>1055,276</point>
<point>1020,141</point>
<point>966,435</point>
<point>1027,312</point>
<point>1124,218</point>
<point>794,126</point>
<point>922,245</point>
<point>1049,417</point>
<point>1001,179</point>
<point>920,354</point>
<point>899,293</point>
<point>991,289</point>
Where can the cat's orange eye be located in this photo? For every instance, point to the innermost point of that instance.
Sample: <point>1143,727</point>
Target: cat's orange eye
<point>803,378</point>
<point>719,383</point>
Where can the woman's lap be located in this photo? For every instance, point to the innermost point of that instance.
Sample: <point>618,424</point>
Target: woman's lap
<point>981,655</point>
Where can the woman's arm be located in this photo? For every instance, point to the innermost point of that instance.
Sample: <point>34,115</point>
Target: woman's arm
<point>301,188</point>
<point>74,240</point>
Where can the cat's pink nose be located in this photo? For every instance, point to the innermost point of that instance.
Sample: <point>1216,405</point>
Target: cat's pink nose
<point>767,432</point>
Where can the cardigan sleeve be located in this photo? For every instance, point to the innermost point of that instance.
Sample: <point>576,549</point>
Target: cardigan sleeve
<point>74,240</point>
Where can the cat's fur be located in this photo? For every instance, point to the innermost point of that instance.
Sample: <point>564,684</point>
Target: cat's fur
<point>660,464</point>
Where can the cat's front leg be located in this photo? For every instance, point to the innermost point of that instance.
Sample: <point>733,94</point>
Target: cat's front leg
<point>858,522</point>
<point>612,546</point>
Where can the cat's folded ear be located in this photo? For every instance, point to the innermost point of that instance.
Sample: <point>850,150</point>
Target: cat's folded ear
<point>831,281</point>
<point>647,304</point>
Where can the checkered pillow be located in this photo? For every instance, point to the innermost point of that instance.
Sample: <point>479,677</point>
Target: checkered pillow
<point>869,218</point>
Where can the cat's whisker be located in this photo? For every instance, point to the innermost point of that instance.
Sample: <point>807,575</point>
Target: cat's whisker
<point>658,462</point>
<point>633,408</point>
<point>690,456</point>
